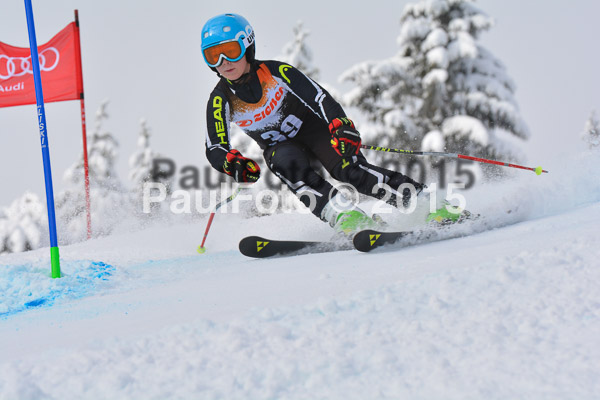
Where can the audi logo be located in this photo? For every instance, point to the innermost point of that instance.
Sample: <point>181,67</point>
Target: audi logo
<point>11,67</point>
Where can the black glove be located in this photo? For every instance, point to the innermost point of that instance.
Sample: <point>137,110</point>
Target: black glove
<point>345,139</point>
<point>242,169</point>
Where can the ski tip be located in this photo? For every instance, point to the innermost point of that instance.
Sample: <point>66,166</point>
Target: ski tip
<point>255,247</point>
<point>368,240</point>
<point>258,247</point>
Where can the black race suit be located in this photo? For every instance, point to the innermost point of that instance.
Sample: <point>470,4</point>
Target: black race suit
<point>288,115</point>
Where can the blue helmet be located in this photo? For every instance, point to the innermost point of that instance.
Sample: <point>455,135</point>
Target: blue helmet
<point>227,36</point>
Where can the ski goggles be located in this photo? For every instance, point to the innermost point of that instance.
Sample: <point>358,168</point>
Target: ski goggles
<point>232,51</point>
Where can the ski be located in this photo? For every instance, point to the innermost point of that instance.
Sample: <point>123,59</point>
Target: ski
<point>368,240</point>
<point>259,247</point>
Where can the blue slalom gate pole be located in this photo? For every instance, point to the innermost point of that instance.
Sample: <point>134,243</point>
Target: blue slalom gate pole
<point>41,112</point>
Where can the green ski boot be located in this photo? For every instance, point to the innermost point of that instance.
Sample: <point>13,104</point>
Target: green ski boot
<point>350,222</point>
<point>445,217</point>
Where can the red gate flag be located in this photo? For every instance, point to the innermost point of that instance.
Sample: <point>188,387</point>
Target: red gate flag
<point>60,68</point>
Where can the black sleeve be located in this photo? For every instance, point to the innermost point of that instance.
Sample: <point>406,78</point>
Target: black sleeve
<point>217,123</point>
<point>308,91</point>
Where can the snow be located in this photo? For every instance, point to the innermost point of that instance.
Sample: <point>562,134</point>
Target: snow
<point>436,38</point>
<point>21,221</point>
<point>462,47</point>
<point>464,125</point>
<point>435,76</point>
<point>506,306</point>
<point>413,29</point>
<point>438,57</point>
<point>397,118</point>
<point>433,141</point>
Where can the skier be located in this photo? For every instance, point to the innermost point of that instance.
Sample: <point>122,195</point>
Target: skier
<point>294,121</point>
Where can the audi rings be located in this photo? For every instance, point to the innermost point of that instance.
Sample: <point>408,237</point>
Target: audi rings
<point>11,67</point>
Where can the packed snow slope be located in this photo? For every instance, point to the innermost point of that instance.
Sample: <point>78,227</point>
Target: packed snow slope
<point>504,307</point>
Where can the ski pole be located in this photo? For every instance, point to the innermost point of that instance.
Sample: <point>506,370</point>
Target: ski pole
<point>201,248</point>
<point>537,170</point>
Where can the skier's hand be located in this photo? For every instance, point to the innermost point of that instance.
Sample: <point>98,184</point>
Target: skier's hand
<point>242,169</point>
<point>345,139</point>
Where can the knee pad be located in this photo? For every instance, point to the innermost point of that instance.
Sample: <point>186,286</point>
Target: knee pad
<point>286,156</point>
<point>292,165</point>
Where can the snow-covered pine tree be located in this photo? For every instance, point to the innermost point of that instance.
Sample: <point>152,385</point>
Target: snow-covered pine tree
<point>103,150</point>
<point>4,226</point>
<point>141,164</point>
<point>102,156</point>
<point>22,225</point>
<point>298,54</point>
<point>109,200</point>
<point>591,131</point>
<point>140,161</point>
<point>442,90</point>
